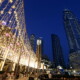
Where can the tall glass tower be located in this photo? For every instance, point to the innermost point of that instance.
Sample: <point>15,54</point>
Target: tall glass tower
<point>72,28</point>
<point>57,51</point>
<point>32,41</point>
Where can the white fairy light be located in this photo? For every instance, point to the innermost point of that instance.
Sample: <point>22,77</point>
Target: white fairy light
<point>9,12</point>
<point>10,21</point>
<point>2,12</point>
<point>3,23</point>
<point>13,6</point>
<point>10,1</point>
<point>1,1</point>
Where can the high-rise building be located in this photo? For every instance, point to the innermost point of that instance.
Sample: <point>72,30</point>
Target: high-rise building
<point>32,41</point>
<point>72,28</point>
<point>57,51</point>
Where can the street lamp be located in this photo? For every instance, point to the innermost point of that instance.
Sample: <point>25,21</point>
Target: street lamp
<point>39,42</point>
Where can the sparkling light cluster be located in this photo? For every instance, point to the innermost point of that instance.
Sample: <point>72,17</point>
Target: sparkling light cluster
<point>14,42</point>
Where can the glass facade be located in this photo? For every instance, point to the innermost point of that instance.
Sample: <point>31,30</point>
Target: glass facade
<point>72,28</point>
<point>57,51</point>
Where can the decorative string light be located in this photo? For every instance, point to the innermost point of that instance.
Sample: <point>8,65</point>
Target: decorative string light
<point>10,1</point>
<point>13,6</point>
<point>2,12</point>
<point>1,1</point>
<point>10,21</point>
<point>9,12</point>
<point>12,15</point>
<point>15,3</point>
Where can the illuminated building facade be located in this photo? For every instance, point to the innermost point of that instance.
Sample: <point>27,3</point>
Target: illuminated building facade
<point>15,48</point>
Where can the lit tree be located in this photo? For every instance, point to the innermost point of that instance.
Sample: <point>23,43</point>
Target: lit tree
<point>14,42</point>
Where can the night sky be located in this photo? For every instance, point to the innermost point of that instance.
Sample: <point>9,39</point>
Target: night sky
<point>45,17</point>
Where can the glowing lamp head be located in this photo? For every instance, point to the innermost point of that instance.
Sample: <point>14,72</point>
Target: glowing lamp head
<point>74,71</point>
<point>59,67</point>
<point>39,42</point>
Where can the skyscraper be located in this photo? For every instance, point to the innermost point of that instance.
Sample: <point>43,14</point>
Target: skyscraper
<point>72,28</point>
<point>57,51</point>
<point>32,41</point>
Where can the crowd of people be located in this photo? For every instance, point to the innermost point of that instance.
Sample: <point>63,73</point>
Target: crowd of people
<point>20,76</point>
<point>35,76</point>
<point>7,75</point>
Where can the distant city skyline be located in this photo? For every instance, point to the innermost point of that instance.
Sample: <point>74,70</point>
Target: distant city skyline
<point>45,17</point>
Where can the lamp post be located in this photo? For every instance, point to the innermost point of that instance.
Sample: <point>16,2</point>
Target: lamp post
<point>38,53</point>
<point>39,42</point>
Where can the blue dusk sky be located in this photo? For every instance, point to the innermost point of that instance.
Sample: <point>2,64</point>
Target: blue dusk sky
<point>45,17</point>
